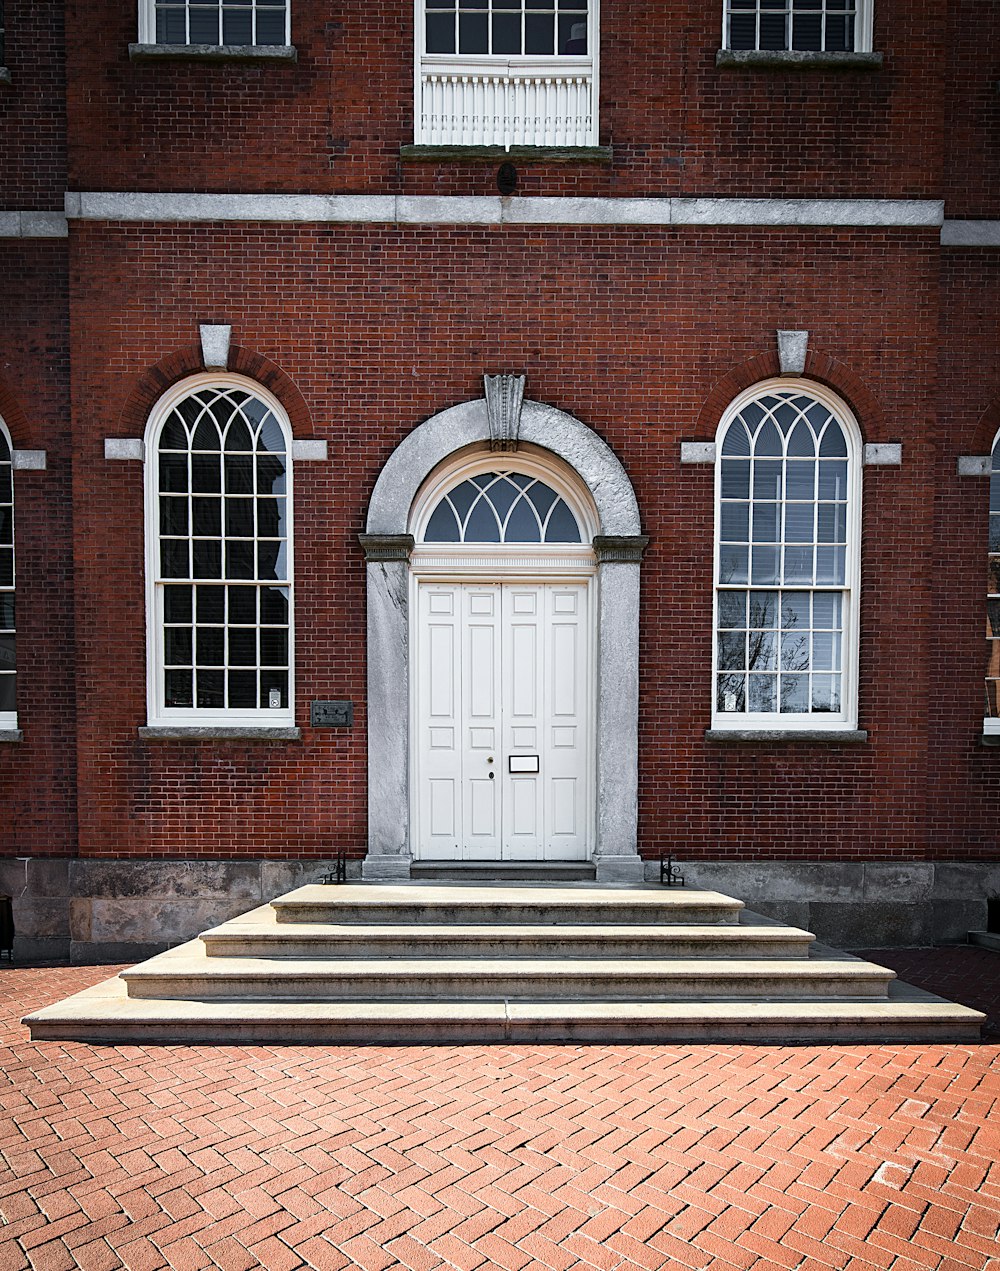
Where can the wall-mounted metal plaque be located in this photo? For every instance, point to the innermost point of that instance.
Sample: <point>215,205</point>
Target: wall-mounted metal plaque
<point>331,714</point>
<point>522,763</point>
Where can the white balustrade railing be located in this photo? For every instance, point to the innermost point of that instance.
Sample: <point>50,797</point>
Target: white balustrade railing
<point>510,105</point>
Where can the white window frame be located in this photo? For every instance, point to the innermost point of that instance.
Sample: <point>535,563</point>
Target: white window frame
<point>8,719</point>
<point>511,68</point>
<point>863,24</point>
<point>147,24</point>
<point>158,715</point>
<point>991,726</point>
<point>847,718</point>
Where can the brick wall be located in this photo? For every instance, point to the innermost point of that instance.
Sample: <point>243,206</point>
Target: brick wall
<point>33,107</point>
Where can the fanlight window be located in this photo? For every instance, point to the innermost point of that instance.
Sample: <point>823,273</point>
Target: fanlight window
<point>993,599</point>
<point>223,585</point>
<point>784,557</point>
<point>502,507</point>
<point>7,646</point>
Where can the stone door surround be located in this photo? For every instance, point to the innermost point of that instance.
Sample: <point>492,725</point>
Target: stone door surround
<point>618,549</point>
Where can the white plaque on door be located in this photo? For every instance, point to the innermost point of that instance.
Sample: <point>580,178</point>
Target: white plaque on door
<point>522,763</point>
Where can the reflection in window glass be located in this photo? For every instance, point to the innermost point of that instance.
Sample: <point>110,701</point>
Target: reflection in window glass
<point>782,559</point>
<point>502,507</point>
<point>818,26</point>
<point>484,28</point>
<point>220,21</point>
<point>993,593</point>
<point>224,583</point>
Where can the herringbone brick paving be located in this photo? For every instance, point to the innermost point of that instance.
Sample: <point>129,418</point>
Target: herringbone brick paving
<point>722,1157</point>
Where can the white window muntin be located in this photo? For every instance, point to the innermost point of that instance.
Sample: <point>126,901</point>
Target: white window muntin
<point>507,99</point>
<point>847,593</point>
<point>159,712</point>
<point>991,720</point>
<point>821,26</point>
<point>181,22</point>
<point>8,663</point>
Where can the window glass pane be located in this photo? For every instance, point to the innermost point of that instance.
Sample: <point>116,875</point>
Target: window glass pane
<point>6,610</point>
<point>178,646</point>
<point>242,646</point>
<point>207,558</point>
<point>174,559</point>
<point>242,604</point>
<point>179,689</point>
<point>794,693</point>
<point>473,33</point>
<point>177,604</point>
<point>763,693</point>
<point>539,33</point>
<point>204,25</point>
<point>767,479</point>
<point>210,691</point>
<point>8,660</point>
<point>239,518</point>
<point>211,602</point>
<point>242,690</point>
<point>562,526</point>
<point>273,680</point>
<point>270,26</point>
<point>731,693</point>
<point>270,475</point>
<point>274,605</point>
<point>735,479</point>
<point>572,35</point>
<point>173,473</point>
<point>522,525</point>
<point>240,560</point>
<point>732,608</point>
<point>171,26</point>
<point>174,516</point>
<point>237,27</point>
<point>270,561</point>
<point>482,525</point>
<point>506,33</point>
<point>206,475</point>
<point>238,436</point>
<point>239,474</point>
<point>210,646</point>
<point>440,32</point>
<point>207,516</point>
<point>274,647</point>
<point>442,527</point>
<point>732,650</point>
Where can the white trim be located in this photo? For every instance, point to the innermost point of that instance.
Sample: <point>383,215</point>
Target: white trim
<point>29,460</point>
<point>159,716</point>
<point>8,719</point>
<point>493,210</point>
<point>847,717</point>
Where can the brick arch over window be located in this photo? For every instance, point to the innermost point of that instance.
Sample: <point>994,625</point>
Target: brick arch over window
<point>617,547</point>
<point>986,431</point>
<point>819,366</point>
<point>184,362</point>
<point>18,424</point>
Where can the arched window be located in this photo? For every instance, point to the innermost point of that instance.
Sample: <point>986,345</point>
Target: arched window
<point>8,698</point>
<point>992,712</point>
<point>502,507</point>
<point>219,496</point>
<point>788,504</point>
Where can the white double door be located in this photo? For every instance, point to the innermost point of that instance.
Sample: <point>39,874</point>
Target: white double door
<point>502,745</point>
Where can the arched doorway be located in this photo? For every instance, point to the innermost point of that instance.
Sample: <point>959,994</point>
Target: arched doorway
<point>424,483</point>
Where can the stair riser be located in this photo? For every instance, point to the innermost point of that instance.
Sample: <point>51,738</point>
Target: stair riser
<point>491,1032</point>
<point>444,987</point>
<point>495,946</point>
<point>497,915</point>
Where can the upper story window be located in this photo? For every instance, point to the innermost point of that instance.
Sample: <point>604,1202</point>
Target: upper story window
<point>507,72</point>
<point>8,701</point>
<point>218,22</point>
<point>992,720</point>
<point>815,26</point>
<point>219,562</point>
<point>787,530</point>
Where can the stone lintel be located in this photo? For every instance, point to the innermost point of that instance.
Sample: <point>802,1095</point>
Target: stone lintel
<point>12,735</point>
<point>697,452</point>
<point>500,154</point>
<point>170,732</point>
<point>29,460</point>
<point>124,448</point>
<point>308,449</point>
<point>831,736</point>
<point>883,454</point>
<point>975,465</point>
<point>796,60</point>
<point>380,547</point>
<point>215,339</point>
<point>792,349</point>
<point>213,52</point>
<point>620,548</point>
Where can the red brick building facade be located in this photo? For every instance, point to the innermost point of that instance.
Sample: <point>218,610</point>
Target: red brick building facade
<point>288,199</point>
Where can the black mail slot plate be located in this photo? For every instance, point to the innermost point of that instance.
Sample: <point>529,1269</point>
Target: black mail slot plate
<point>331,714</point>
<point>522,763</point>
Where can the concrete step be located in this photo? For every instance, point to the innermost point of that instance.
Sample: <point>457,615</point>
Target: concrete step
<point>487,904</point>
<point>105,1014</point>
<point>189,974</point>
<point>266,938</point>
<point>507,871</point>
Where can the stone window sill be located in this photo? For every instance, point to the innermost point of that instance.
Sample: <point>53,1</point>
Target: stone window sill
<point>796,60</point>
<point>5,76</point>
<point>832,737</point>
<point>498,154</point>
<point>213,52</point>
<point>11,735</point>
<point>990,739</point>
<point>155,732</point>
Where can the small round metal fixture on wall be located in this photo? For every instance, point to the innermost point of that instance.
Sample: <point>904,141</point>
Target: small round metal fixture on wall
<point>507,178</point>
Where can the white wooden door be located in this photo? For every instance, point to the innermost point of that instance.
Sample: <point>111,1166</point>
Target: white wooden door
<point>502,739</point>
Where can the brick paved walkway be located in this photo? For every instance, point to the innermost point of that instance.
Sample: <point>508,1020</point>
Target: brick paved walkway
<point>544,1156</point>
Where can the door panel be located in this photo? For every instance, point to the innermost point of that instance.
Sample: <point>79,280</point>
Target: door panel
<point>502,670</point>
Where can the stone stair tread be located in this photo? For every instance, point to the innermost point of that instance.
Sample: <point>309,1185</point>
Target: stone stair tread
<point>105,1012</point>
<point>236,927</point>
<point>175,964</point>
<point>569,896</point>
